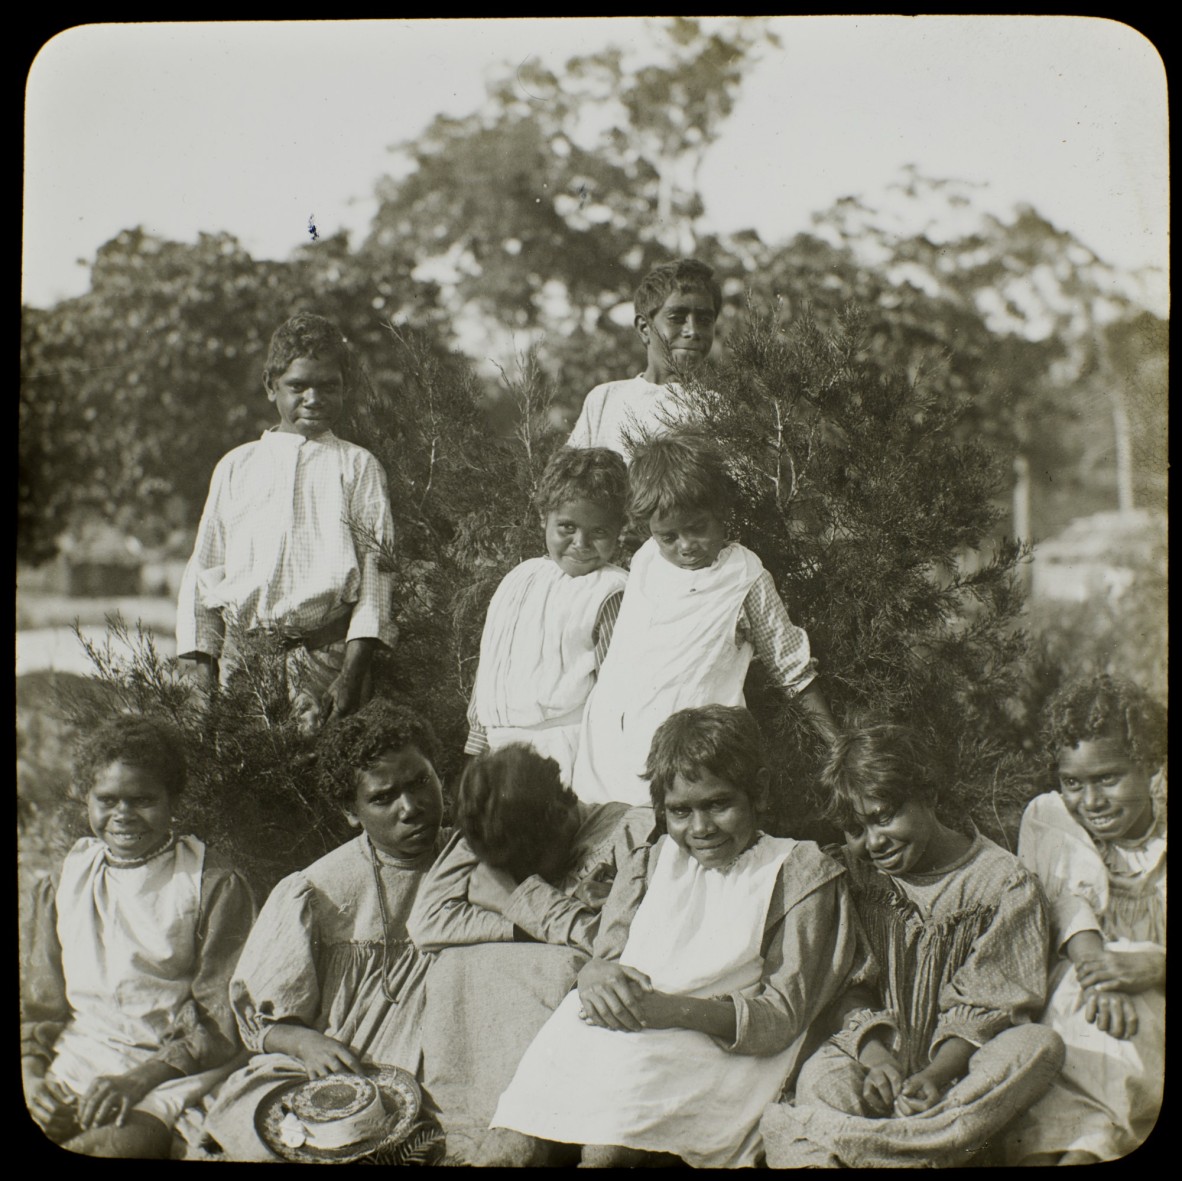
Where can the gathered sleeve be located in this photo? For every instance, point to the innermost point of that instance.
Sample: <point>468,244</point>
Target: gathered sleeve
<point>278,974</point>
<point>442,916</point>
<point>812,951</point>
<point>44,1007</point>
<point>204,1034</point>
<point>1003,981</point>
<point>1060,853</point>
<point>477,741</point>
<point>780,646</point>
<point>372,524</point>
<point>200,629</point>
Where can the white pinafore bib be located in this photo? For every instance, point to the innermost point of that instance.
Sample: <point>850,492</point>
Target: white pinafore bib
<point>673,647</point>
<point>697,932</point>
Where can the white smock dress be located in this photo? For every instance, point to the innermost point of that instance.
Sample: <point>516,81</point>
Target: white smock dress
<point>697,932</point>
<point>537,657</point>
<point>673,647</point>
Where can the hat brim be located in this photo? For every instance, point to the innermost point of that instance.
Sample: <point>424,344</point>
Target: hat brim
<point>401,1098</point>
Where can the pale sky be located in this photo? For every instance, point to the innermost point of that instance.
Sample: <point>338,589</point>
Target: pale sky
<point>253,127</point>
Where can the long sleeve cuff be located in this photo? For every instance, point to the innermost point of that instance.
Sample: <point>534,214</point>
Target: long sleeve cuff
<point>970,1023</point>
<point>860,1026</point>
<point>477,743</point>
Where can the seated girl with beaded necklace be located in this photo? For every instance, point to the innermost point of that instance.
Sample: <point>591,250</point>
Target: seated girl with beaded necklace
<point>329,982</point>
<point>124,1011</point>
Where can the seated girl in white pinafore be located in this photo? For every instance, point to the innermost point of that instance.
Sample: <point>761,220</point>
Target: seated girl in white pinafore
<point>1099,846</point>
<point>125,1012</point>
<point>717,948</point>
<point>550,621</point>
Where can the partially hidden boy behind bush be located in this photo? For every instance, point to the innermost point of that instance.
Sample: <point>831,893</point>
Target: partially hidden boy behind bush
<point>677,304</point>
<point>289,539</point>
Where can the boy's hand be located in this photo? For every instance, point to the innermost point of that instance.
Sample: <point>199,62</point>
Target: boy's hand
<point>883,1081</point>
<point>491,888</point>
<point>1123,971</point>
<point>110,1098</point>
<point>50,1102</point>
<point>610,992</point>
<point>341,698</point>
<point>919,1092</point>
<point>1112,1012</point>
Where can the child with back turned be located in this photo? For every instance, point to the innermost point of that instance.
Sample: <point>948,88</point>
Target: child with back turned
<point>939,1055</point>
<point>287,544</point>
<point>125,1016</point>
<point>550,621</point>
<point>1099,846</point>
<point>676,304</point>
<point>717,948</point>
<point>697,608</point>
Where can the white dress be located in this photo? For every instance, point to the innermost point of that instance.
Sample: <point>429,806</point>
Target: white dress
<point>1108,1096</point>
<point>673,647</point>
<point>697,932</point>
<point>537,657</point>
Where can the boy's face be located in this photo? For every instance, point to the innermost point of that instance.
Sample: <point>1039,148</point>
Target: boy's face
<point>1105,790</point>
<point>309,395</point>
<point>399,803</point>
<point>896,837</point>
<point>581,536</point>
<point>678,335</point>
<point>691,539</point>
<point>129,810</point>
<point>711,819</point>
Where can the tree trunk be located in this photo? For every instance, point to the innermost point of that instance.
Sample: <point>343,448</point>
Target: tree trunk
<point>1022,498</point>
<point>1124,452</point>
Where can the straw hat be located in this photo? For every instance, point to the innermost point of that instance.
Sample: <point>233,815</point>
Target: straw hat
<point>401,1098</point>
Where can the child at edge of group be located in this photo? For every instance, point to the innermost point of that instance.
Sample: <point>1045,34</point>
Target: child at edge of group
<point>1099,846</point>
<point>550,620</point>
<point>676,306</point>
<point>511,908</point>
<point>124,1011</point>
<point>328,981</point>
<point>936,1059</point>
<point>696,609</point>
<point>289,541</point>
<point>717,948</point>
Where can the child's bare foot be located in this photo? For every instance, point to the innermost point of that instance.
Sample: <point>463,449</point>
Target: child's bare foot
<point>506,1149</point>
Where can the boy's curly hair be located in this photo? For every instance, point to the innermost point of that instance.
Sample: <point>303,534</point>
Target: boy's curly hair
<point>511,806</point>
<point>883,760</point>
<point>1103,706</point>
<point>684,274</point>
<point>150,744</point>
<point>723,740</point>
<point>354,743</point>
<point>596,474</point>
<point>306,335</point>
<point>678,471</point>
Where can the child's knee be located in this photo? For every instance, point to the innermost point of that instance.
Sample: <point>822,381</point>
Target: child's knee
<point>505,1149</point>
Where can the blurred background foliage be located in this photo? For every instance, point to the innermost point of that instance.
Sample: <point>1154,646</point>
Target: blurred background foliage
<point>933,387</point>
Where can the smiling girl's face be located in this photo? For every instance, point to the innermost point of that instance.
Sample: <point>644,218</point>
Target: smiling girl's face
<point>897,838</point>
<point>711,819</point>
<point>129,809</point>
<point>1105,790</point>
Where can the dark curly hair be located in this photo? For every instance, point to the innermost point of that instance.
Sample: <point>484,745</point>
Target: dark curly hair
<point>306,335</point>
<point>678,471</point>
<point>512,806</point>
<point>583,473</point>
<point>150,744</point>
<point>1089,708</point>
<point>721,739</point>
<point>684,274</point>
<point>356,742</point>
<point>883,760</point>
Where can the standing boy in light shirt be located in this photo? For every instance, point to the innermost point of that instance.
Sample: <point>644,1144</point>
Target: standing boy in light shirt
<point>677,304</point>
<point>287,544</point>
